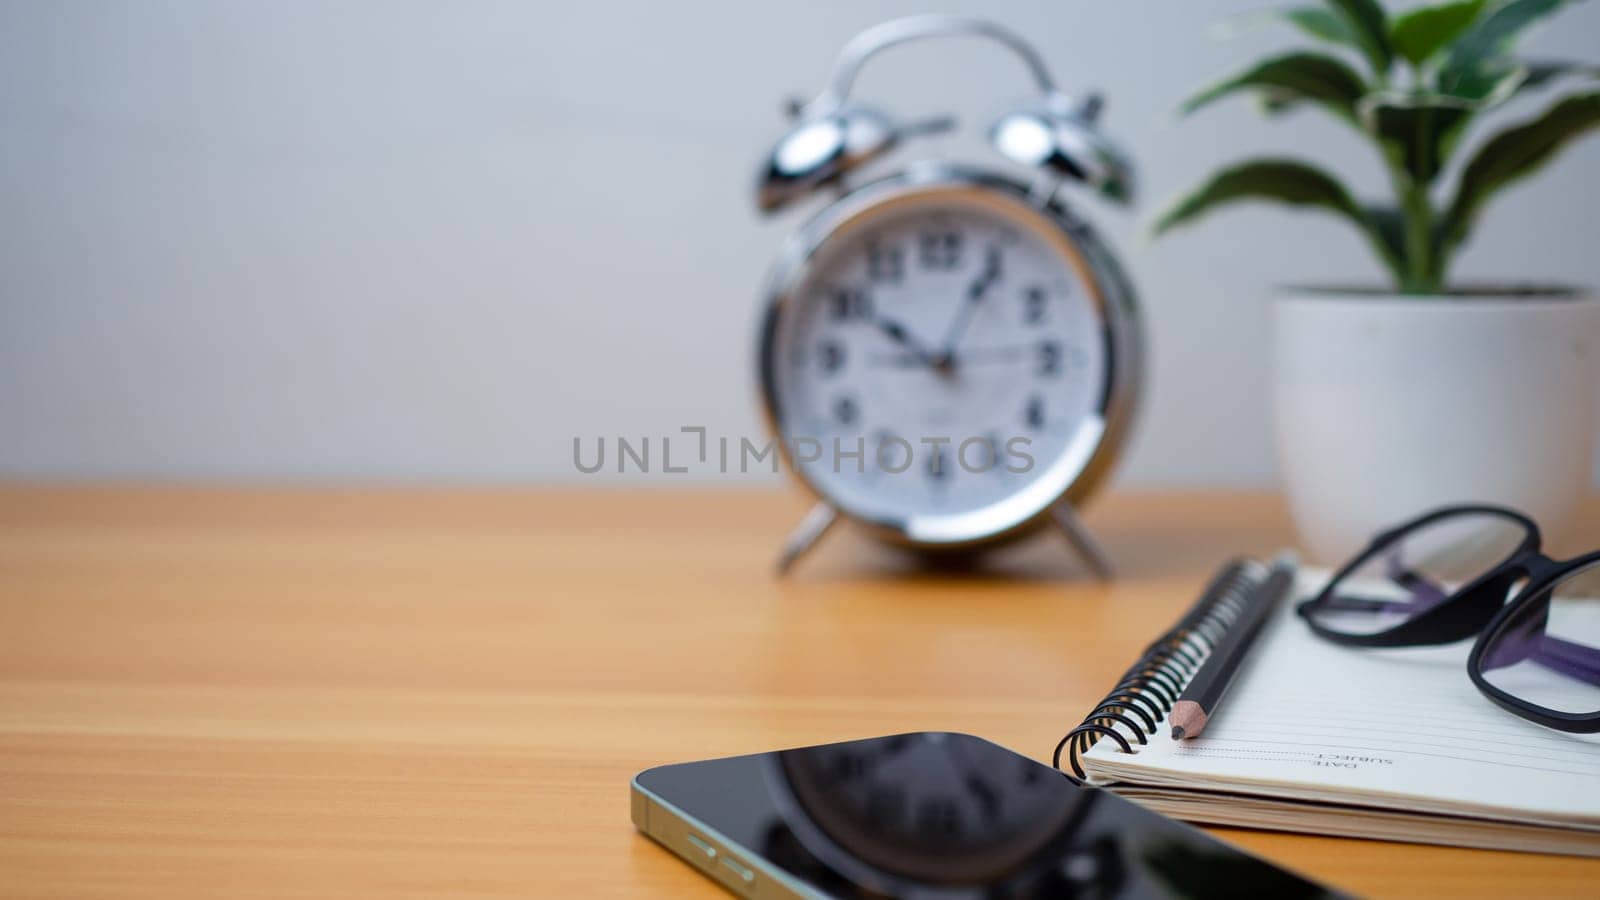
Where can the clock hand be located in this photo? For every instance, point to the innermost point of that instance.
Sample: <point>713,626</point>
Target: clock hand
<point>901,336</point>
<point>902,361</point>
<point>996,354</point>
<point>969,304</point>
<point>1011,353</point>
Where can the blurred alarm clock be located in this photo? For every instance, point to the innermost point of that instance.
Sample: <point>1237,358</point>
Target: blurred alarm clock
<point>949,356</point>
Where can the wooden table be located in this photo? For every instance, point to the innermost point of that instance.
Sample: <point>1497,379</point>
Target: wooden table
<point>207,692</point>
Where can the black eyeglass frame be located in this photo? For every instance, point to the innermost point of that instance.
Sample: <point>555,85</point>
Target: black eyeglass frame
<point>1479,608</point>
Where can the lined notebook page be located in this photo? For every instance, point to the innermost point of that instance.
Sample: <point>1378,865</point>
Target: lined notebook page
<point>1400,729</point>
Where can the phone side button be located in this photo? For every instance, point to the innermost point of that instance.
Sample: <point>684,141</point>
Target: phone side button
<point>745,874</point>
<point>702,846</point>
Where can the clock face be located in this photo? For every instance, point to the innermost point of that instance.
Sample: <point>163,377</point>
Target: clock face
<point>939,363</point>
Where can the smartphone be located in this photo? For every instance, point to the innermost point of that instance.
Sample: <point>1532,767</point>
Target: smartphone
<point>931,815</point>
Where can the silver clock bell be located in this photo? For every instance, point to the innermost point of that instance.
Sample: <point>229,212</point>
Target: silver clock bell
<point>949,357</point>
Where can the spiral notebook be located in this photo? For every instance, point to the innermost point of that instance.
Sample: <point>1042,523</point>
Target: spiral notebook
<point>1387,744</point>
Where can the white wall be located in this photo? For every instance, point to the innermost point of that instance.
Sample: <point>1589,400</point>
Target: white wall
<point>436,241</point>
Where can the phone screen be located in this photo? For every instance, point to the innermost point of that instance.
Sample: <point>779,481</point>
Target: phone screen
<point>951,816</point>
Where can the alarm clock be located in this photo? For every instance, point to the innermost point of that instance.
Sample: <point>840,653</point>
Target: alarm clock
<point>949,356</point>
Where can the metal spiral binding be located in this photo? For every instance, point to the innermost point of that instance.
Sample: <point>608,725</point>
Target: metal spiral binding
<point>1144,695</point>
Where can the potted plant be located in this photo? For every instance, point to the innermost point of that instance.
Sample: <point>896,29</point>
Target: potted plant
<point>1390,400</point>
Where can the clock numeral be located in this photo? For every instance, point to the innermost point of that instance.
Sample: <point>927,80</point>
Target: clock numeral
<point>994,442</point>
<point>939,250</point>
<point>845,411</point>
<point>830,355</point>
<point>938,464</point>
<point>1034,413</point>
<point>1049,358</point>
<point>1035,304</point>
<point>892,454</point>
<point>850,303</point>
<point>885,264</point>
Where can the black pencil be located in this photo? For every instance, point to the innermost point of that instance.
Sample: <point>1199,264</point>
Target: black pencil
<point>1201,696</point>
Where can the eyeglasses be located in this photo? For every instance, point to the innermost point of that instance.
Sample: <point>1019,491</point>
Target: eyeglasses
<point>1446,576</point>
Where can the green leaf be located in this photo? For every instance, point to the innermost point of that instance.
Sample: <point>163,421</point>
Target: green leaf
<point>1292,78</point>
<point>1313,21</point>
<point>1280,180</point>
<point>1489,84</point>
<point>1417,34</point>
<point>1386,229</point>
<point>1416,133</point>
<point>1543,72</point>
<point>1514,154</point>
<point>1283,181</point>
<point>1419,131</point>
<point>1525,76</point>
<point>1370,25</point>
<point>1488,41</point>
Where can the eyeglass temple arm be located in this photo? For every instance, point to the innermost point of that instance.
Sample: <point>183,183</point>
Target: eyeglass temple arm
<point>1556,654</point>
<point>1424,593</point>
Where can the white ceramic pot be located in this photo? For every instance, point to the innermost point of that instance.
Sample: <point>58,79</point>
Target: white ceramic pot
<point>1388,406</point>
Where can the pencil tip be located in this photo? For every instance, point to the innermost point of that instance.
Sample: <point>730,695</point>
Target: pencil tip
<point>1177,732</point>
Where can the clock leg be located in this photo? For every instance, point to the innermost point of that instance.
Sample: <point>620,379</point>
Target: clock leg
<point>1082,542</point>
<point>806,534</point>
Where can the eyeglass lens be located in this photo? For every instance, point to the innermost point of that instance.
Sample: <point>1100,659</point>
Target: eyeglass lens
<point>1416,571</point>
<point>1548,651</point>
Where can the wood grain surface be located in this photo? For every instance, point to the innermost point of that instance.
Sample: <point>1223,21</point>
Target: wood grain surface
<point>320,692</point>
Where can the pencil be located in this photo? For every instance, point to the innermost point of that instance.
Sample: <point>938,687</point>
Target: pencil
<point>1201,696</point>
